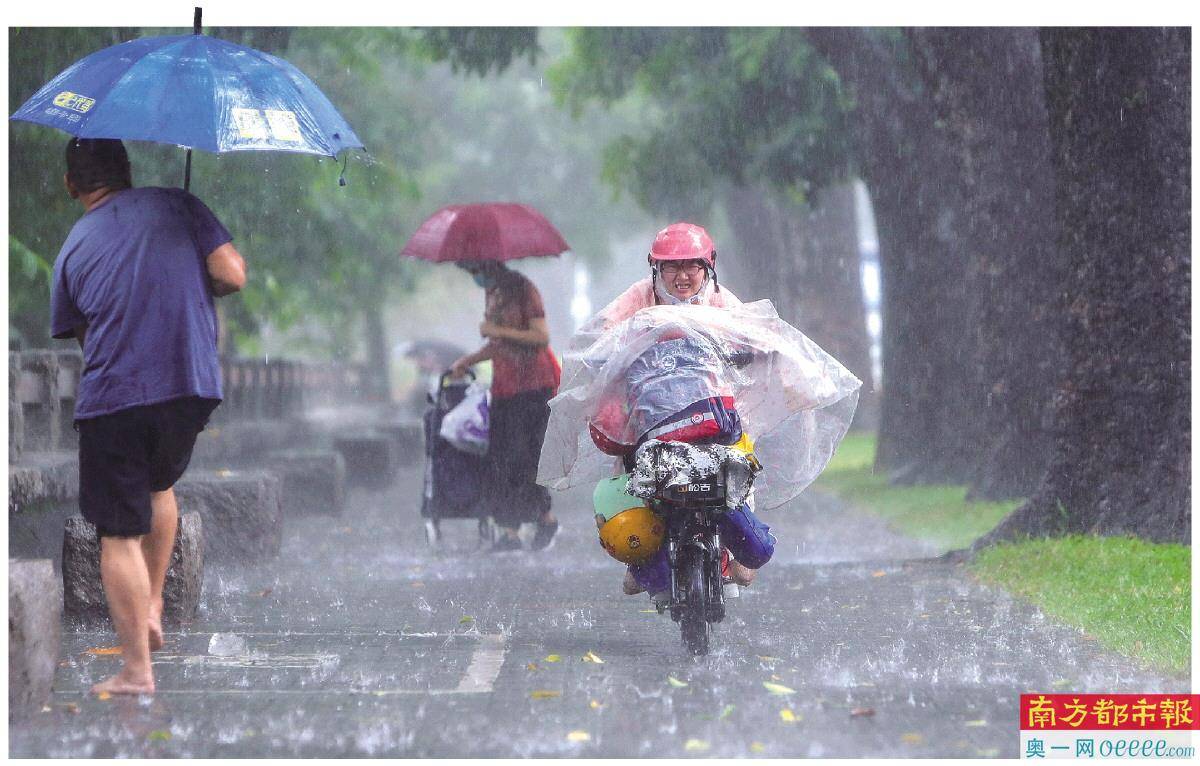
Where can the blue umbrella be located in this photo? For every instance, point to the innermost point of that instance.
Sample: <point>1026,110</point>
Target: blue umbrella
<point>193,91</point>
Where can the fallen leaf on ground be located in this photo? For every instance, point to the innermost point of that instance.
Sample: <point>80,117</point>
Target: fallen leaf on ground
<point>777,688</point>
<point>47,709</point>
<point>695,745</point>
<point>788,716</point>
<point>103,696</point>
<point>725,713</point>
<point>757,747</point>
<point>591,657</point>
<point>767,659</point>
<point>911,739</point>
<point>776,678</point>
<point>979,722</point>
<point>861,712</point>
<point>465,619</point>
<point>595,705</point>
<point>418,584</point>
<point>673,681</point>
<point>104,650</point>
<point>71,707</point>
<point>552,658</point>
<point>879,573</point>
<point>578,736</point>
<point>159,736</point>
<point>265,592</point>
<point>648,611</point>
<point>224,473</point>
<point>532,666</point>
<point>544,694</point>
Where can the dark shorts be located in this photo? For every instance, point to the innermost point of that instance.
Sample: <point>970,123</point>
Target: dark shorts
<point>125,456</point>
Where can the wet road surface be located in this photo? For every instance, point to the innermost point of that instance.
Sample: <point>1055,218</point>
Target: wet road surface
<point>359,640</point>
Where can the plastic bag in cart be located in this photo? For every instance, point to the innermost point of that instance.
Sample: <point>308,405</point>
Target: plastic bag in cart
<point>466,426</point>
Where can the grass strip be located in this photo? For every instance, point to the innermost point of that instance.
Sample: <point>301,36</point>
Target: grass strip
<point>938,513</point>
<point>1132,596</point>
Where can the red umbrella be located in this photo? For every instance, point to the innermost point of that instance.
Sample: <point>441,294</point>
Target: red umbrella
<point>488,231</point>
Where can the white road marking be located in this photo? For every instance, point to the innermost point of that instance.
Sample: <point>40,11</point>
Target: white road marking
<point>485,665</point>
<point>486,662</point>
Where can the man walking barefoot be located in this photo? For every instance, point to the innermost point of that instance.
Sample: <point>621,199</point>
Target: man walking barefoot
<point>134,284</point>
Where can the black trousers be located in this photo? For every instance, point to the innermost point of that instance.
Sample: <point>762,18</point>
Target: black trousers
<point>516,430</point>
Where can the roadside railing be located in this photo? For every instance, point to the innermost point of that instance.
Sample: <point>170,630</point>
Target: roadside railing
<point>43,384</point>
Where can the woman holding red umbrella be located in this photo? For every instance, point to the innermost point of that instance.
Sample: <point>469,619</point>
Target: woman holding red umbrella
<point>525,376</point>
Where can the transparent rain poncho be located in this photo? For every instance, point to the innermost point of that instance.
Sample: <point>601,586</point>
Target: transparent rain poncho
<point>794,400</point>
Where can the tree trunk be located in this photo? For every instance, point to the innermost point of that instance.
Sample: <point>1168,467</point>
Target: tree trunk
<point>1120,117</point>
<point>831,299</point>
<point>987,86</point>
<point>913,181</point>
<point>807,262</point>
<point>378,382</point>
<point>762,258</point>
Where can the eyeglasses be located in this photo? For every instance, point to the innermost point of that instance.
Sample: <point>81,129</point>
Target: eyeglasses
<point>671,269</point>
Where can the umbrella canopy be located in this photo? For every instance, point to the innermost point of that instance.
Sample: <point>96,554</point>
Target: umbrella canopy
<point>440,352</point>
<point>490,231</point>
<point>193,91</point>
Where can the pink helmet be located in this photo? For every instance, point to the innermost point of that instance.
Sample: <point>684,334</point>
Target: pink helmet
<point>683,242</point>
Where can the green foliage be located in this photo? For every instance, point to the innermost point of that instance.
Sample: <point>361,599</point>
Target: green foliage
<point>736,104</point>
<point>477,49</point>
<point>937,513</point>
<point>29,292</point>
<point>322,257</point>
<point>1132,596</point>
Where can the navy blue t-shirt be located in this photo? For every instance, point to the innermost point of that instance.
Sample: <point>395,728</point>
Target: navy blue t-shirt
<point>133,271</point>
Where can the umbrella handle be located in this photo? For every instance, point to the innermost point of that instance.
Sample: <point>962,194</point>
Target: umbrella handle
<point>187,167</point>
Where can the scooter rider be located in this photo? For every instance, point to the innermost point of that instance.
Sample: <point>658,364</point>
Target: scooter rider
<point>682,262</point>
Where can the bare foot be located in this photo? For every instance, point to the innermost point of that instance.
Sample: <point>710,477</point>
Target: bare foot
<point>630,586</point>
<point>741,575</point>
<point>119,684</point>
<point>156,634</point>
<point>154,624</point>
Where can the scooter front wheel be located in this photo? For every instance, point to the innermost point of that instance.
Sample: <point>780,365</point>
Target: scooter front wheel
<point>693,622</point>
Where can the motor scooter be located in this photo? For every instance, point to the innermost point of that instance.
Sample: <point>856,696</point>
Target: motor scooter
<point>693,541</point>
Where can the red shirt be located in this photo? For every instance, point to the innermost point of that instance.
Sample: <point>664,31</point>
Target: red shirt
<point>516,367</point>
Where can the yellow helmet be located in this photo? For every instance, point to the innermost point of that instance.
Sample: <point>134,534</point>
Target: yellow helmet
<point>633,535</point>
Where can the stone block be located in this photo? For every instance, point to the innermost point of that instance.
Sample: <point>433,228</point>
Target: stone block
<point>313,481</point>
<point>370,459</point>
<point>37,393</point>
<point>16,413</point>
<point>229,444</point>
<point>83,592</point>
<point>34,634</point>
<point>42,477</point>
<point>242,510</point>
<point>409,437</point>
